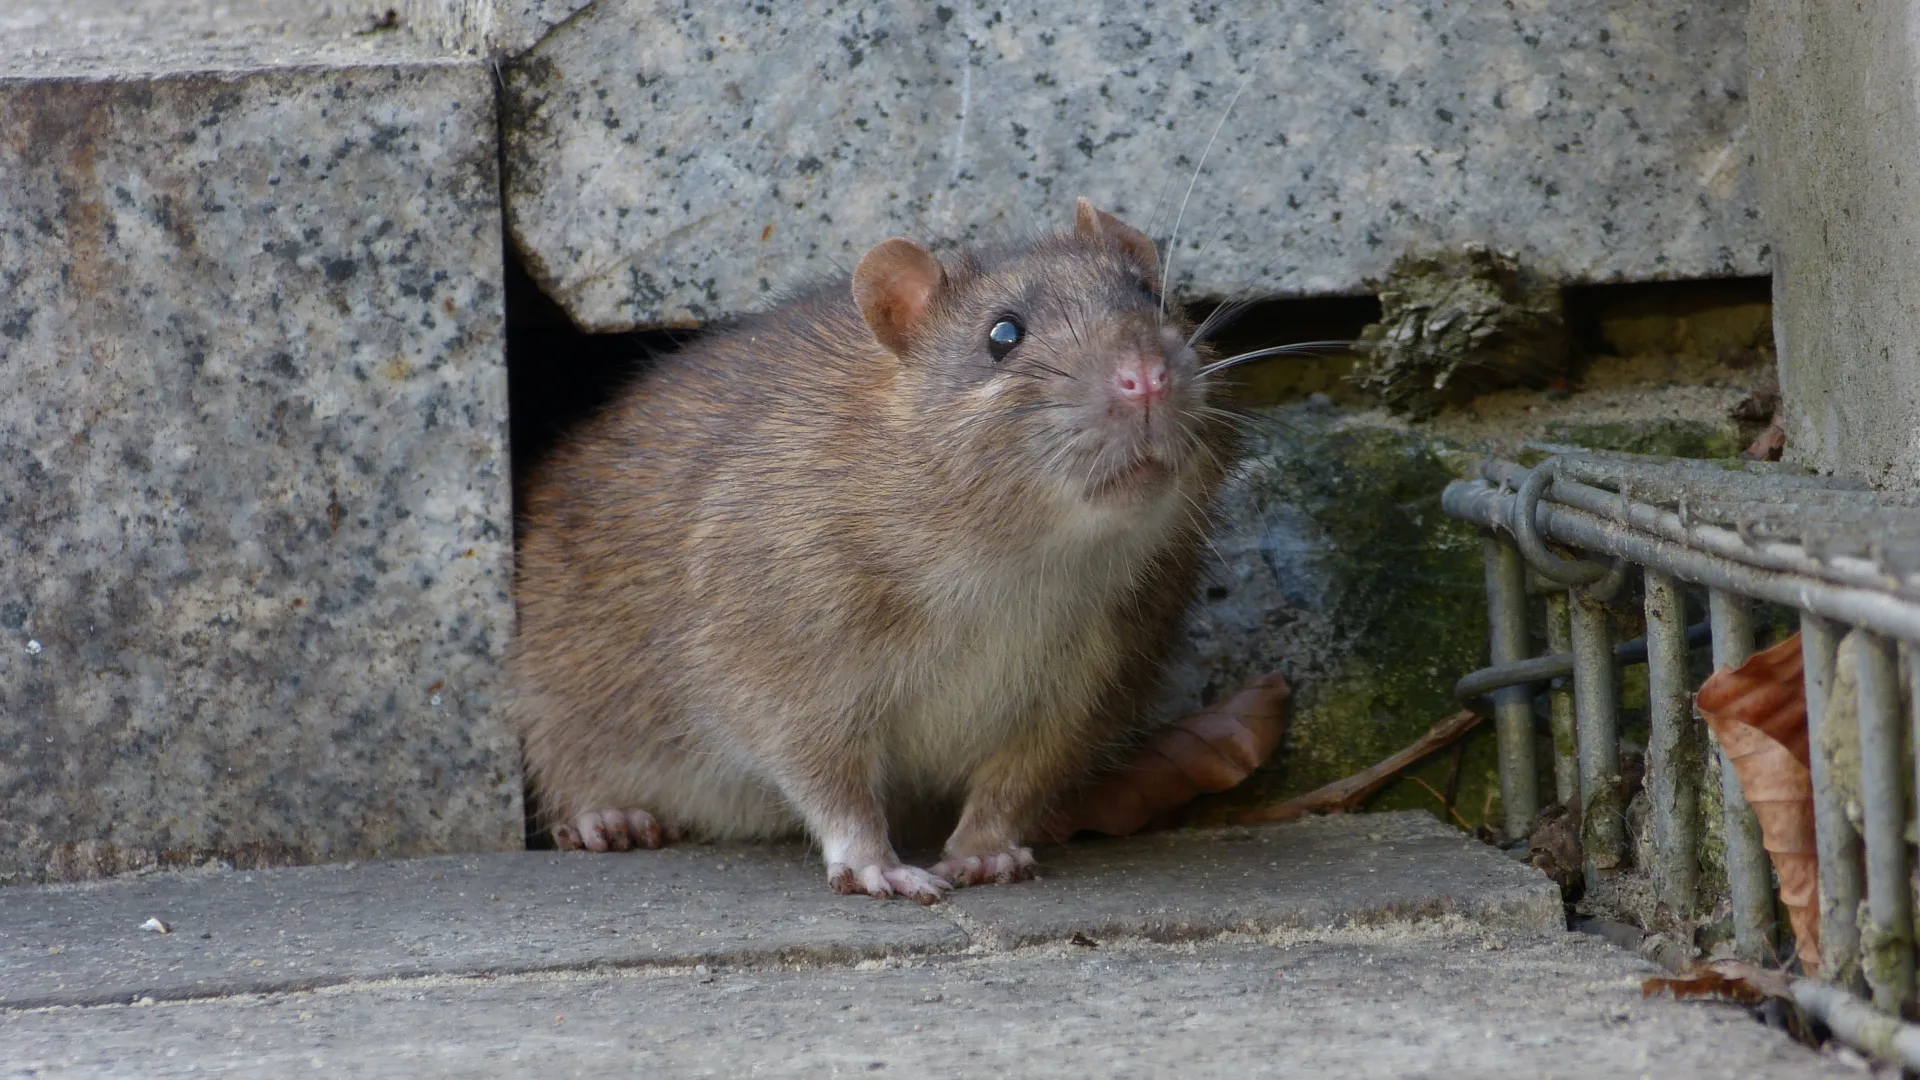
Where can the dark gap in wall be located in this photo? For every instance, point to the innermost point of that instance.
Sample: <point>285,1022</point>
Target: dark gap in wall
<point>558,374</point>
<point>1265,323</point>
<point>1722,321</point>
<point>1589,308</point>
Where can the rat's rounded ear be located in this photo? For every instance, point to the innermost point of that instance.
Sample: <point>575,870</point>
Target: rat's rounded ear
<point>1096,224</point>
<point>895,284</point>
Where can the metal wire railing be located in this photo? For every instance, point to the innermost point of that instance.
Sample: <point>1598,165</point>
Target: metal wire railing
<point>1844,557</point>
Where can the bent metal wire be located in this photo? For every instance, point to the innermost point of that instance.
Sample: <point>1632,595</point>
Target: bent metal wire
<point>1845,557</point>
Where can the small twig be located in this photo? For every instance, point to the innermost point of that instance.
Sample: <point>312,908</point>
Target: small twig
<point>1453,774</point>
<point>1344,796</point>
<point>1444,805</point>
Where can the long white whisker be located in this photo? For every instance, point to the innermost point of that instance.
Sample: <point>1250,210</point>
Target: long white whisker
<point>1173,244</point>
<point>1277,350</point>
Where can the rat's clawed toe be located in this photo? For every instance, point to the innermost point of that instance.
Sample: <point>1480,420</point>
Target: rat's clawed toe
<point>613,830</point>
<point>1000,867</point>
<point>886,882</point>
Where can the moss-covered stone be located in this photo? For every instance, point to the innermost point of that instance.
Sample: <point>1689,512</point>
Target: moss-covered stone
<point>1336,564</point>
<point>1667,436</point>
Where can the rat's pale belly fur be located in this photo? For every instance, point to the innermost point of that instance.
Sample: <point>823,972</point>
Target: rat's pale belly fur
<point>1029,642</point>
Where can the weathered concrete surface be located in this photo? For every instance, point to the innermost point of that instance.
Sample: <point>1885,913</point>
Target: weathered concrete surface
<point>532,911</point>
<point>1396,1001</point>
<point>254,512</point>
<point>1318,872</point>
<point>506,27</point>
<point>133,38</point>
<point>669,165</point>
<point>527,911</point>
<point>1837,128</point>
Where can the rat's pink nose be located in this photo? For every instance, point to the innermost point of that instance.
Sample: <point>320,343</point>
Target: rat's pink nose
<point>1141,380</point>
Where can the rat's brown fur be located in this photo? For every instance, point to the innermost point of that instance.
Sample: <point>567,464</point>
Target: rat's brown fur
<point>797,579</point>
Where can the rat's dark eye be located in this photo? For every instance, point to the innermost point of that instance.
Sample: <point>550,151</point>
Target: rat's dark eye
<point>1147,290</point>
<point>1003,337</point>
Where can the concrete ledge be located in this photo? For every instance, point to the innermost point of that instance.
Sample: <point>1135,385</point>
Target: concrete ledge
<point>1434,1001</point>
<point>277,930</point>
<point>1320,872</point>
<point>302,927</point>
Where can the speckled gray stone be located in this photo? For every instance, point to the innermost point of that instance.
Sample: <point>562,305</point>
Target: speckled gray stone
<point>138,37</point>
<point>1837,124</point>
<point>123,39</point>
<point>255,524</point>
<point>506,27</point>
<point>668,164</point>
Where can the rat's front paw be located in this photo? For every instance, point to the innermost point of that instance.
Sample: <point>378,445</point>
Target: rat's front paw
<point>613,830</point>
<point>888,881</point>
<point>1000,867</point>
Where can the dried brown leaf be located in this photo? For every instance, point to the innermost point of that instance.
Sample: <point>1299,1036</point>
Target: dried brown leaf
<point>1207,751</point>
<point>1758,711</point>
<point>1726,980</point>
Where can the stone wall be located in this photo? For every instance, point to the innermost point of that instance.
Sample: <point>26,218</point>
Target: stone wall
<point>1837,128</point>
<point>255,520</point>
<point>255,535</point>
<point>668,165</point>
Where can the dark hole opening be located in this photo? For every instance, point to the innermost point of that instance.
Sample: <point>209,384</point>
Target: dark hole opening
<point>558,375</point>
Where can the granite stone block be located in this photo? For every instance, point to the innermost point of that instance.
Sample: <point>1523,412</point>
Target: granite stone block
<point>670,164</point>
<point>1837,127</point>
<point>255,524</point>
<point>125,39</point>
<point>481,27</point>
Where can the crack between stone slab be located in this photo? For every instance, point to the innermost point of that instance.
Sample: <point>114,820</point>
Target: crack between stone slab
<point>1392,932</point>
<point>794,958</point>
<point>980,937</point>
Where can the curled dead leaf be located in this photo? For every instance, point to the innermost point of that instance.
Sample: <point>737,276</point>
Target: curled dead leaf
<point>1724,980</point>
<point>1758,711</point>
<point>1207,751</point>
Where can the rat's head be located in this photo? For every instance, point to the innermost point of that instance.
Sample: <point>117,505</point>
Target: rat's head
<point>1055,366</point>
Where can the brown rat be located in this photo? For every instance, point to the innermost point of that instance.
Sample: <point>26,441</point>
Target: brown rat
<point>917,538</point>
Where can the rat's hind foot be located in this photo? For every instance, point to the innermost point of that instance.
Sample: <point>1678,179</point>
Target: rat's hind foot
<point>887,881</point>
<point>613,830</point>
<point>1000,867</point>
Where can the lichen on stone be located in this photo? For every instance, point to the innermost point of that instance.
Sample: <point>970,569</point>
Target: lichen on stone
<point>1454,324</point>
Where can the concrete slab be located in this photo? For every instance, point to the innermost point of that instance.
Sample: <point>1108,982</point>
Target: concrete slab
<point>671,164</point>
<point>270,930</point>
<point>1318,872</point>
<point>255,517</point>
<point>1442,1000</point>
<point>533,911</point>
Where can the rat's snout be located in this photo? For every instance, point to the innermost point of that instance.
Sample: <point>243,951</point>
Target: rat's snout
<point>1140,379</point>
